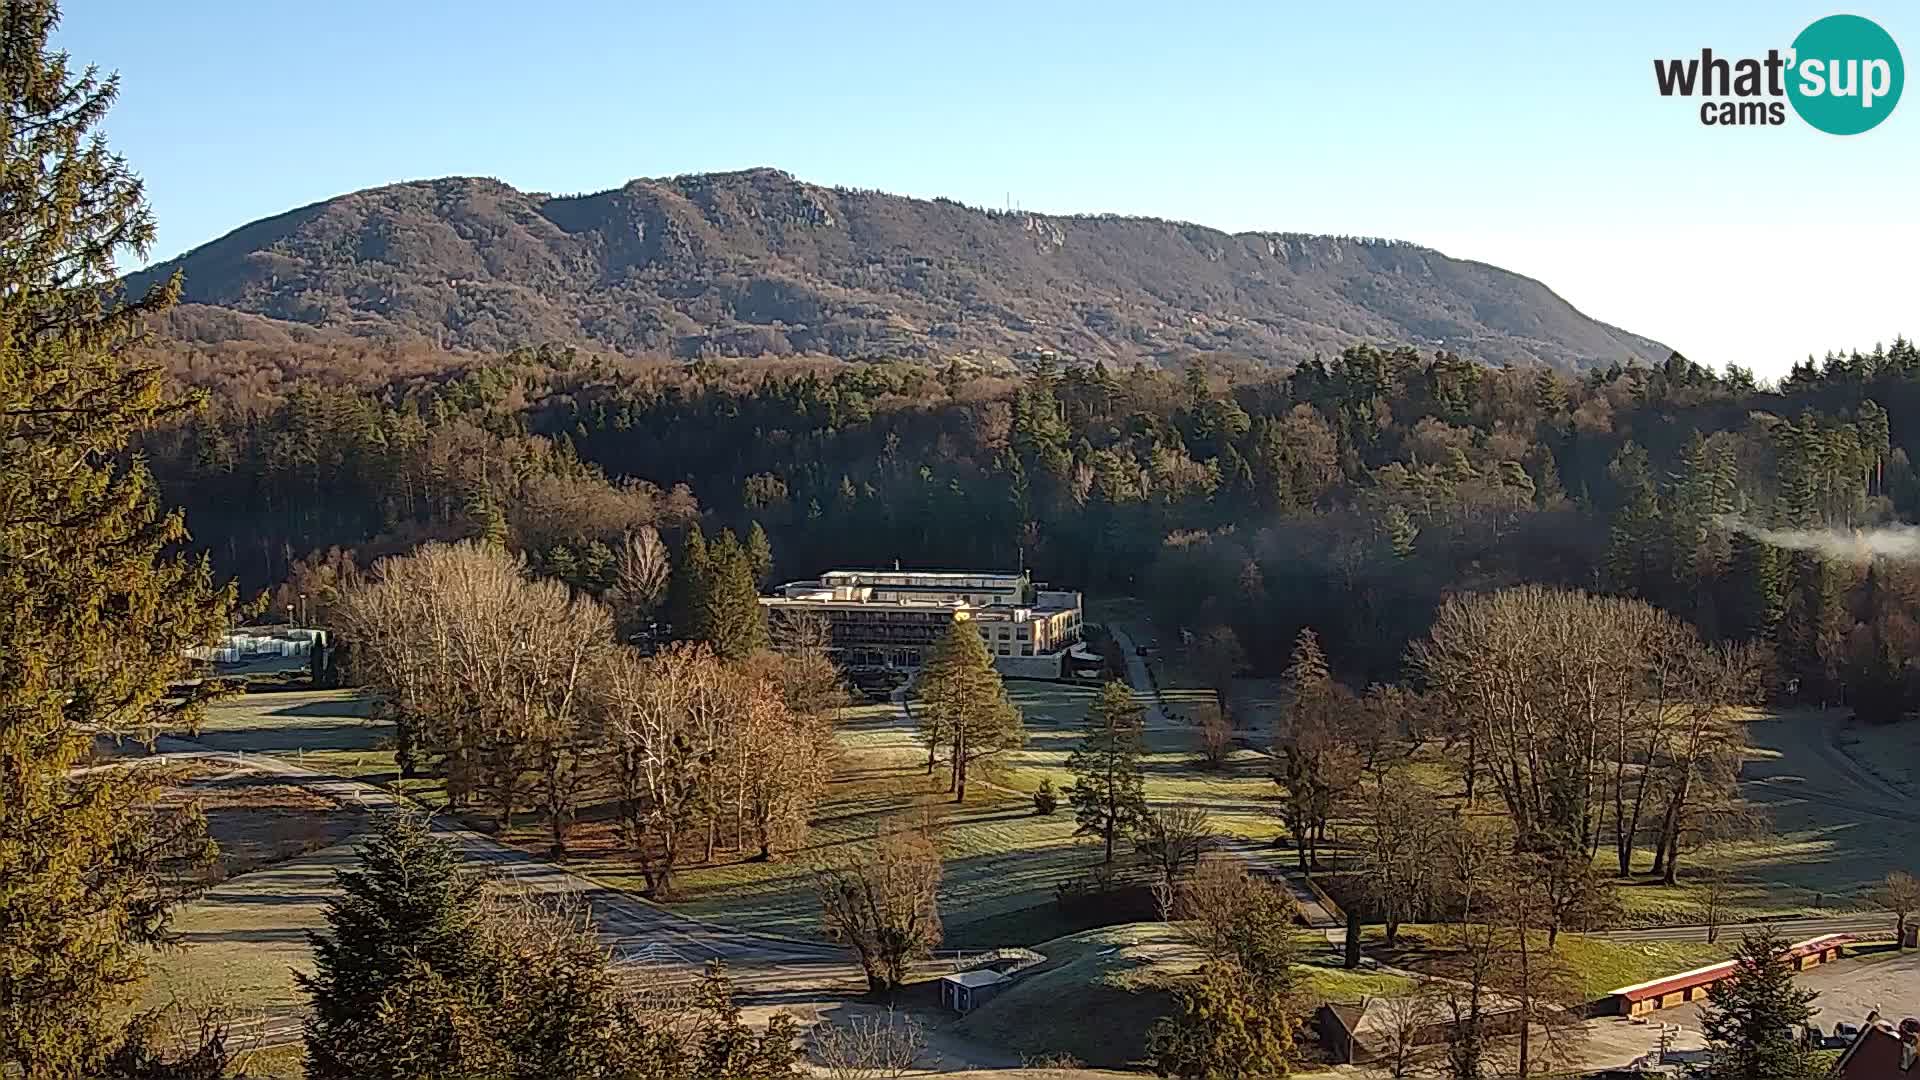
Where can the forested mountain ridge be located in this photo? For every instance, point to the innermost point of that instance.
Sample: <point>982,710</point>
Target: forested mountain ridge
<point>757,263</point>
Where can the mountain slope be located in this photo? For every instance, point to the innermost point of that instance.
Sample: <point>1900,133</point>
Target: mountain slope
<point>756,262</point>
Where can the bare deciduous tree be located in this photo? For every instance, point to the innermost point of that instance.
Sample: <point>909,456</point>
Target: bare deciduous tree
<point>1400,849</point>
<point>1595,718</point>
<point>1172,840</point>
<point>874,1047</point>
<point>1216,736</point>
<point>662,761</point>
<point>486,668</point>
<point>1900,894</point>
<point>883,902</point>
<point>1406,1019</point>
<point>641,569</point>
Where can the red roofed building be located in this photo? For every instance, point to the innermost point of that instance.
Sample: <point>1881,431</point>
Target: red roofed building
<point>1672,990</point>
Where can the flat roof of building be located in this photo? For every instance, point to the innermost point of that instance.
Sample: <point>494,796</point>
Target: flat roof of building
<point>976,977</point>
<point>982,613</point>
<point>1010,575</point>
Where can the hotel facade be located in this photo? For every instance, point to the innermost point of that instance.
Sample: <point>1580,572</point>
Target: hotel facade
<point>890,619</point>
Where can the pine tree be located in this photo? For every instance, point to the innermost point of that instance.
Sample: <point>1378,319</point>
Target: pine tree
<point>1306,678</point>
<point>1224,1027</point>
<point>1401,531</point>
<point>397,974</point>
<point>1107,793</point>
<point>734,624</point>
<point>965,705</point>
<point>1751,1020</point>
<point>1549,394</point>
<point>485,522</point>
<point>688,587</point>
<point>95,613</point>
<point>1634,542</point>
<point>759,556</point>
<point>1757,574</point>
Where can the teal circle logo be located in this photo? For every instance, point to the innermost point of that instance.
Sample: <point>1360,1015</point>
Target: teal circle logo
<point>1846,74</point>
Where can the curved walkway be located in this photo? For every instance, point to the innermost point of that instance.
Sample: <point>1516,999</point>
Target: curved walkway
<point>636,929</point>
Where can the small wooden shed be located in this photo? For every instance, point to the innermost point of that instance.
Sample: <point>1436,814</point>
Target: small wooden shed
<point>965,991</point>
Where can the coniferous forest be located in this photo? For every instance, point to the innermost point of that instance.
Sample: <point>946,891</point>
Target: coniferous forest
<point>1350,494</point>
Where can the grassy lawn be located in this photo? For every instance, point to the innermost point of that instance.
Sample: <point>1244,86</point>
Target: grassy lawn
<point>284,1062</point>
<point>1889,751</point>
<point>1599,966</point>
<point>243,938</point>
<point>1100,991</point>
<point>294,721</point>
<point>1241,797</point>
<point>1325,980</point>
<point>1001,859</point>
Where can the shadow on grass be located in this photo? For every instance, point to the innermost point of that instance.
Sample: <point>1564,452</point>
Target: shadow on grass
<point>281,738</point>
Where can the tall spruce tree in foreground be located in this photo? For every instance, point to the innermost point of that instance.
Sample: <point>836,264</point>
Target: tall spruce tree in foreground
<point>424,974</point>
<point>1107,795</point>
<point>95,615</point>
<point>964,705</point>
<point>1752,1020</point>
<point>396,976</point>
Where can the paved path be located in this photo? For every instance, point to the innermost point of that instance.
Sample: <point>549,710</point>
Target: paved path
<point>636,930</point>
<point>1260,858</point>
<point>1849,989</point>
<point>1792,929</point>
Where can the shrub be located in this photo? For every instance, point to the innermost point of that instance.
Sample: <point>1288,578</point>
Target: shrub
<point>1045,799</point>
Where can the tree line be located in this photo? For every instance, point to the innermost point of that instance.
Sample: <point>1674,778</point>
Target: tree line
<point>1363,487</point>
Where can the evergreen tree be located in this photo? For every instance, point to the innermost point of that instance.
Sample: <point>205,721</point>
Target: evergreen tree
<point>422,975</point>
<point>965,705</point>
<point>1813,630</point>
<point>1107,793</point>
<point>734,624</point>
<point>96,615</point>
<point>1307,679</point>
<point>1549,394</point>
<point>485,521</point>
<point>759,556</point>
<point>1401,531</point>
<point>1757,574</point>
<point>397,976</point>
<point>1752,1019</point>
<point>1634,543</point>
<point>687,589</point>
<point>1224,1027</point>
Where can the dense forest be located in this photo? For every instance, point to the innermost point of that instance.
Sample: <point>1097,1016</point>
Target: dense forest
<point>1349,494</point>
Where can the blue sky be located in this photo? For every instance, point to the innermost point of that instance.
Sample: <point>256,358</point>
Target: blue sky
<point>1528,135</point>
